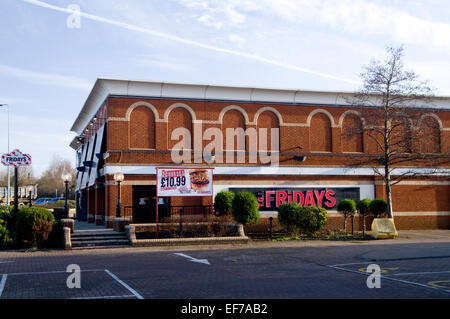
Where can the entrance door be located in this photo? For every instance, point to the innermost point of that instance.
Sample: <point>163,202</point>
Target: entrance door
<point>144,204</point>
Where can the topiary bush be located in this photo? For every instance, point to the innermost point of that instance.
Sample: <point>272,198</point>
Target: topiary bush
<point>289,216</point>
<point>363,208</point>
<point>223,203</point>
<point>312,219</point>
<point>33,225</point>
<point>299,219</point>
<point>378,207</point>
<point>346,207</point>
<point>245,208</point>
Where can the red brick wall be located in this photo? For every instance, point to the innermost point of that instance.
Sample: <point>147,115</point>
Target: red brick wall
<point>145,131</point>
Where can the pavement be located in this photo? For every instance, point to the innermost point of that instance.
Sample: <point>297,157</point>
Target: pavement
<point>404,237</point>
<point>415,265</point>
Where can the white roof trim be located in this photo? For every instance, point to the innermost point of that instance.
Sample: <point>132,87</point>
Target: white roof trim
<point>104,87</point>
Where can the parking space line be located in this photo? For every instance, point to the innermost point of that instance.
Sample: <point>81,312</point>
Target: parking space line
<point>2,283</point>
<point>138,296</point>
<point>420,273</point>
<point>48,272</point>
<point>389,278</point>
<point>106,297</point>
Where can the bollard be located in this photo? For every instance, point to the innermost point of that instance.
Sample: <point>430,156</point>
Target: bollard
<point>352,217</point>
<point>270,227</point>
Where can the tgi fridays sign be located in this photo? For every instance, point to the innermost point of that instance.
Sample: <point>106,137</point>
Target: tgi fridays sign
<point>184,182</point>
<point>270,199</point>
<point>16,158</point>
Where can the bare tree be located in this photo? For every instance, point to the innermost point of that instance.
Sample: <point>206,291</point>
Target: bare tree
<point>51,180</point>
<point>398,122</point>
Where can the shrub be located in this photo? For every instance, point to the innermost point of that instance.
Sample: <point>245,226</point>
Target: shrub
<point>33,225</point>
<point>5,240</point>
<point>346,207</point>
<point>312,218</point>
<point>296,218</point>
<point>223,203</point>
<point>245,208</point>
<point>378,207</point>
<point>289,216</point>
<point>363,208</point>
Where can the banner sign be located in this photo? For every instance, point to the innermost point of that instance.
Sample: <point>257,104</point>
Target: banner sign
<point>270,198</point>
<point>16,158</point>
<point>184,182</point>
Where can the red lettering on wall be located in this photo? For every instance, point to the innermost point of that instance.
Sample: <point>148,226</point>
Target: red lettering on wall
<point>309,199</point>
<point>319,197</point>
<point>281,197</point>
<point>331,200</point>
<point>299,194</point>
<point>269,198</point>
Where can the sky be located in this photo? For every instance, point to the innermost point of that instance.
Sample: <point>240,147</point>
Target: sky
<point>50,56</point>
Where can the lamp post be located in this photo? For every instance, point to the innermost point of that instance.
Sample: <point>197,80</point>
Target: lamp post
<point>30,190</point>
<point>67,177</point>
<point>8,197</point>
<point>118,177</point>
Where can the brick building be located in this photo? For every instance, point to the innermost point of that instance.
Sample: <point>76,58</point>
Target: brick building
<point>126,126</point>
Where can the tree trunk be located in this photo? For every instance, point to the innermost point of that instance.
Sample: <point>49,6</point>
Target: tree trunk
<point>388,191</point>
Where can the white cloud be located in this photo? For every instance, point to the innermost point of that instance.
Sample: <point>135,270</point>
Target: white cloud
<point>352,17</point>
<point>162,62</point>
<point>47,78</point>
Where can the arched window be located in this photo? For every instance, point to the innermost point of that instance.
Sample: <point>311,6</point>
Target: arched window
<point>429,136</point>
<point>320,133</point>
<point>267,120</point>
<point>179,117</point>
<point>234,119</point>
<point>142,128</point>
<point>352,134</point>
<point>400,136</point>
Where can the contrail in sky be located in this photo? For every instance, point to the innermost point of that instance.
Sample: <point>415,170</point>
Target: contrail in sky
<point>190,42</point>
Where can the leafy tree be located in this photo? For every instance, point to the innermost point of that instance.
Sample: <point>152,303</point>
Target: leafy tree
<point>245,208</point>
<point>378,207</point>
<point>363,208</point>
<point>346,207</point>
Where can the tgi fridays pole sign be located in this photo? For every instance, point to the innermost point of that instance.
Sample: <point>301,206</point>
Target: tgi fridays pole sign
<point>16,159</point>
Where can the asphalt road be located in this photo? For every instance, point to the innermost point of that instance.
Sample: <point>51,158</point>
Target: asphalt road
<point>322,270</point>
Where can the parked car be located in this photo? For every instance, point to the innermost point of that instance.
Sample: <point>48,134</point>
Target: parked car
<point>41,201</point>
<point>54,200</point>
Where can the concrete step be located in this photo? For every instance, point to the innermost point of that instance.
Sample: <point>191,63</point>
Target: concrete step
<point>91,238</point>
<point>96,243</point>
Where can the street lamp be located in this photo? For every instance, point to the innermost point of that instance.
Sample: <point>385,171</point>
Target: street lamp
<point>118,177</point>
<point>66,177</point>
<point>8,198</point>
<point>30,190</point>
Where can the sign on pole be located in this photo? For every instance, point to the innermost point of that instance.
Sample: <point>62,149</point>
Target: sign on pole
<point>184,182</point>
<point>16,158</point>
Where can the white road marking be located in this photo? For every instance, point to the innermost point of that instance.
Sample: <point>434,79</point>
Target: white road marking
<point>2,283</point>
<point>134,292</point>
<point>106,297</point>
<point>200,261</point>
<point>389,278</point>
<point>48,272</point>
<point>6,262</point>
